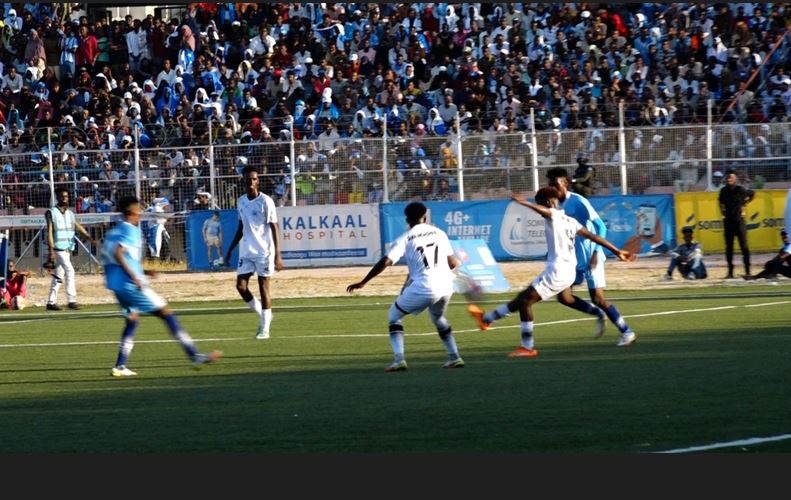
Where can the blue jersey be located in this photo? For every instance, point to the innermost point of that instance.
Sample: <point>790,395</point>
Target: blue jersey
<point>579,208</point>
<point>130,238</point>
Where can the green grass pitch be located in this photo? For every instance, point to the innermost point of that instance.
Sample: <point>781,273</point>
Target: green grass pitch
<point>708,367</point>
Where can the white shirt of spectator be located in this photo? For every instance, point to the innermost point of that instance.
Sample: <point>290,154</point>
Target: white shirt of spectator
<point>256,215</point>
<point>426,249</point>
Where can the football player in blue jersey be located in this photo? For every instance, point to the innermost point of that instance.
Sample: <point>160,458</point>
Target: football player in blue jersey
<point>590,255</point>
<point>124,275</point>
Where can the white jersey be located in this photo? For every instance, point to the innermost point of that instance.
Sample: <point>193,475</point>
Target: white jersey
<point>561,231</point>
<point>256,215</point>
<point>426,249</point>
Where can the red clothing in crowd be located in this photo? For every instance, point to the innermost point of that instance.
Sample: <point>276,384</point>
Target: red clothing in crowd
<point>87,51</point>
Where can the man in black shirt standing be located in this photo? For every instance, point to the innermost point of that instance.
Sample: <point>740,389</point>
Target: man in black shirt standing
<point>733,199</point>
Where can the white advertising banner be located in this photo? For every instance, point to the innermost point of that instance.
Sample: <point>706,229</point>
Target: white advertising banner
<point>330,235</point>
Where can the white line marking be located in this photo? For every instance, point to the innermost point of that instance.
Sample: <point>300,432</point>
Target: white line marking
<point>363,335</point>
<point>770,304</point>
<point>730,444</point>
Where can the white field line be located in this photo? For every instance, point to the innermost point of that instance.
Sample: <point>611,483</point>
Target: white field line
<point>729,444</point>
<point>353,335</point>
<point>770,304</point>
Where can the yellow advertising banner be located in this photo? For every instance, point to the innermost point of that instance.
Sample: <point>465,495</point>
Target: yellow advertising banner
<point>701,210</point>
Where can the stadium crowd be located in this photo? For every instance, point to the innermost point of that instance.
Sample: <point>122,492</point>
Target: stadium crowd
<point>239,75</point>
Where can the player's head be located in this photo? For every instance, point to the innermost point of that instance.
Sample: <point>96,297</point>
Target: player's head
<point>216,213</point>
<point>250,175</point>
<point>548,196</point>
<point>11,268</point>
<point>783,235</point>
<point>559,179</point>
<point>687,234</point>
<point>415,213</point>
<point>130,208</point>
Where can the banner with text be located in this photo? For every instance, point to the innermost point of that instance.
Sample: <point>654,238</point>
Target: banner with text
<point>336,235</point>
<point>642,224</point>
<point>764,217</point>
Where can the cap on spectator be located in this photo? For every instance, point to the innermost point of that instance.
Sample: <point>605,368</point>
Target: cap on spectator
<point>308,60</point>
<point>617,75</point>
<point>127,138</point>
<point>126,162</point>
<point>504,51</point>
<point>717,174</point>
<point>467,49</point>
<point>127,95</point>
<point>68,119</point>
<point>236,23</point>
<point>84,178</point>
<point>586,14</point>
<point>353,57</point>
<point>246,133</point>
<point>278,73</point>
<point>556,122</point>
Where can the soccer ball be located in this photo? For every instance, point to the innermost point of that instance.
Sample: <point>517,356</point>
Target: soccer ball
<point>218,262</point>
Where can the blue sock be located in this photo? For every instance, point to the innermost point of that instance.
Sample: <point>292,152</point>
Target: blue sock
<point>501,312</point>
<point>450,343</point>
<point>616,318</point>
<point>127,343</point>
<point>527,334</point>
<point>182,336</point>
<point>585,306</point>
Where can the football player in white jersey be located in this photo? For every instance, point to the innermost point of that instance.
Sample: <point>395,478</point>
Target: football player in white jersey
<point>259,251</point>
<point>430,260</point>
<point>559,273</point>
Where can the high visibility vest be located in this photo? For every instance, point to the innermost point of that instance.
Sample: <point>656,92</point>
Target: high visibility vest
<point>63,228</point>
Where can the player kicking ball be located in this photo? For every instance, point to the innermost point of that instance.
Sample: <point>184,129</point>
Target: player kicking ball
<point>559,273</point>
<point>430,260</point>
<point>124,275</point>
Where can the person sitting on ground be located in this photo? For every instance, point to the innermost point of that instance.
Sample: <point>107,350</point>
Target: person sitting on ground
<point>779,264</point>
<point>688,258</point>
<point>14,295</point>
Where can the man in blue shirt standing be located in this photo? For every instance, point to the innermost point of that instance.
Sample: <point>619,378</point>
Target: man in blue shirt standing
<point>124,275</point>
<point>590,255</point>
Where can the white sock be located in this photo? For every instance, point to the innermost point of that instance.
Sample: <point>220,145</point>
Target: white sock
<point>266,319</point>
<point>255,306</point>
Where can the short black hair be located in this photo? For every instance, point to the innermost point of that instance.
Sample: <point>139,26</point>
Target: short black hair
<point>555,172</point>
<point>687,229</point>
<point>729,172</point>
<point>125,204</point>
<point>249,168</point>
<point>61,189</point>
<point>415,212</point>
<point>545,194</point>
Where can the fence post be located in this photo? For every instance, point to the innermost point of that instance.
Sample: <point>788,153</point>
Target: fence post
<point>459,159</point>
<point>51,168</point>
<point>211,166</point>
<point>137,163</point>
<point>385,187</point>
<point>293,161</point>
<point>534,148</point>
<point>709,143</point>
<point>622,147</point>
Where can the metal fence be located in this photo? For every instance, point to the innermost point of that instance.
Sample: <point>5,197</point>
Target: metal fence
<point>328,169</point>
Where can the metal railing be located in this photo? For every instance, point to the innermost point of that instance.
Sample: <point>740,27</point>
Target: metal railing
<point>328,169</point>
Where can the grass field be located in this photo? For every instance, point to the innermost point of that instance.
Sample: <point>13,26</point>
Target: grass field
<point>707,369</point>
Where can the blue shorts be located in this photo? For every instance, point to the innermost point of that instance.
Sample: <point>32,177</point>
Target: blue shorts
<point>133,299</point>
<point>594,276</point>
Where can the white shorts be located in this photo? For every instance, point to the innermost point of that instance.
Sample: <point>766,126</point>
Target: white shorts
<point>212,241</point>
<point>593,275</point>
<point>550,283</point>
<point>412,301</point>
<point>262,267</point>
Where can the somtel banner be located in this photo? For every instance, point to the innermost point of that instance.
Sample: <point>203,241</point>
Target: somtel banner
<point>510,230</point>
<point>701,211</point>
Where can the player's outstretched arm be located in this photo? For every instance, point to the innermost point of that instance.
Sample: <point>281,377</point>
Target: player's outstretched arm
<point>542,211</point>
<point>621,254</point>
<point>236,239</point>
<point>374,272</point>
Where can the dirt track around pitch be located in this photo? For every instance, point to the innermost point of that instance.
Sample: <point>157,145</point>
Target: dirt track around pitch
<point>646,273</point>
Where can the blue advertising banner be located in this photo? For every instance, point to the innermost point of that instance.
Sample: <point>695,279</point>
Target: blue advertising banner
<point>510,230</point>
<point>641,224</point>
<point>478,263</point>
<point>337,235</point>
